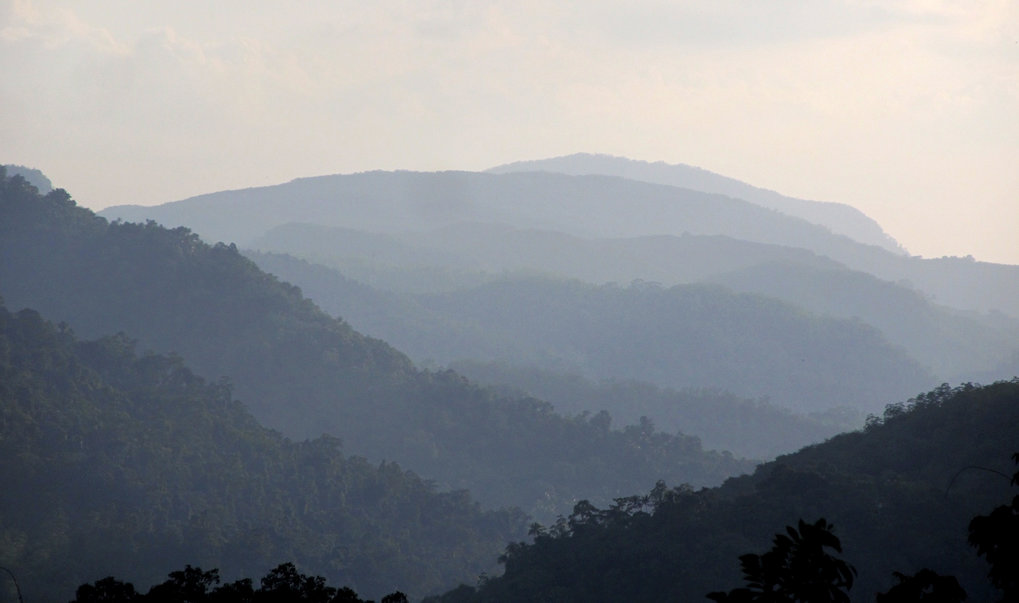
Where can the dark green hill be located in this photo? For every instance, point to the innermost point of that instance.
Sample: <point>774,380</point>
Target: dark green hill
<point>690,336</point>
<point>114,463</point>
<point>306,374</point>
<point>900,494</point>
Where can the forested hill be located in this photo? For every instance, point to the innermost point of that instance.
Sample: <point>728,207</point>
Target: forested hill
<point>305,373</point>
<point>900,493</point>
<point>127,465</point>
<point>687,336</point>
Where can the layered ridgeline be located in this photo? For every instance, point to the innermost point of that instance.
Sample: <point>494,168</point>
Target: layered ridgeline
<point>688,336</point>
<point>115,463</point>
<point>305,373</point>
<point>590,206</point>
<point>954,344</point>
<point>753,428</point>
<point>596,206</point>
<point>838,217</point>
<point>958,282</point>
<point>900,493</point>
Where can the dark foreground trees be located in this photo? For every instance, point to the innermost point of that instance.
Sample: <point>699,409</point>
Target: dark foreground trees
<point>284,584</point>
<point>996,538</point>
<point>798,569</point>
<point>883,487</point>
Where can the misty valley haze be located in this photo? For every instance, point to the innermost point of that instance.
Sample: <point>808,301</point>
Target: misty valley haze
<point>385,377</point>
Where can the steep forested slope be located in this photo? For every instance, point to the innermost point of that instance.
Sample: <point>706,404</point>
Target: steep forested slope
<point>685,336</point>
<point>115,463</point>
<point>305,373</point>
<point>900,494</point>
<point>723,421</point>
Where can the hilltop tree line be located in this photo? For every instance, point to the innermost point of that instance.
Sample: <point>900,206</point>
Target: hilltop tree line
<point>283,584</point>
<point>889,488</point>
<point>114,460</point>
<point>305,373</point>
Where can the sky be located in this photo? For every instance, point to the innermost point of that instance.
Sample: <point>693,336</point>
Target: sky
<point>905,109</point>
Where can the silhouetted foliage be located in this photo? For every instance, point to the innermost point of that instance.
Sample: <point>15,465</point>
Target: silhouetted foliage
<point>113,461</point>
<point>107,590</point>
<point>885,487</point>
<point>283,584</point>
<point>797,569</point>
<point>305,373</point>
<point>925,586</point>
<point>996,538</point>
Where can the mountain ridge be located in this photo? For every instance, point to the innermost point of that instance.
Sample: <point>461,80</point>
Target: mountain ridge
<point>306,373</point>
<point>584,206</point>
<point>837,217</point>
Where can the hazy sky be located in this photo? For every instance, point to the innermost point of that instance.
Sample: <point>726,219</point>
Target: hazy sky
<point>908,110</point>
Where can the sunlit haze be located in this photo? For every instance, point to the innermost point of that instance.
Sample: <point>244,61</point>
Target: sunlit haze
<point>907,110</point>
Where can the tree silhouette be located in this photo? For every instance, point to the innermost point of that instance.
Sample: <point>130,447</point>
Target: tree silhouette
<point>996,537</point>
<point>926,586</point>
<point>107,590</point>
<point>285,584</point>
<point>190,585</point>
<point>797,569</point>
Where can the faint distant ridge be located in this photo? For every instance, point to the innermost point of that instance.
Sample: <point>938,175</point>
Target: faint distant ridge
<point>34,177</point>
<point>837,217</point>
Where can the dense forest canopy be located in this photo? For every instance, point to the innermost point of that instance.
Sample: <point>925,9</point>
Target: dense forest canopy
<point>901,494</point>
<point>115,462</point>
<point>125,462</point>
<point>692,336</point>
<point>305,373</point>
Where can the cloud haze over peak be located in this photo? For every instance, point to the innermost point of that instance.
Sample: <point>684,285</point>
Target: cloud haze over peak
<point>906,110</point>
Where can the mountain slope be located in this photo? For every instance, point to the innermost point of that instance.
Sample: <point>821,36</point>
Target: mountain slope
<point>466,251</point>
<point>589,206</point>
<point>690,336</point>
<point>955,345</point>
<point>839,218</point>
<point>723,421</point>
<point>900,495</point>
<point>592,206</point>
<point>305,373</point>
<point>115,463</point>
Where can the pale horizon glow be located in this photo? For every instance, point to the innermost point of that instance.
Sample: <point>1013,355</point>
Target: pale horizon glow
<point>905,109</point>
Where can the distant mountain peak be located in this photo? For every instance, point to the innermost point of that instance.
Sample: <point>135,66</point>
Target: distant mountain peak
<point>837,217</point>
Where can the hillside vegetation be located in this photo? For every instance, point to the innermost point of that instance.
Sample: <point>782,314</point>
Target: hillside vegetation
<point>127,464</point>
<point>305,373</point>
<point>688,336</point>
<point>900,494</point>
